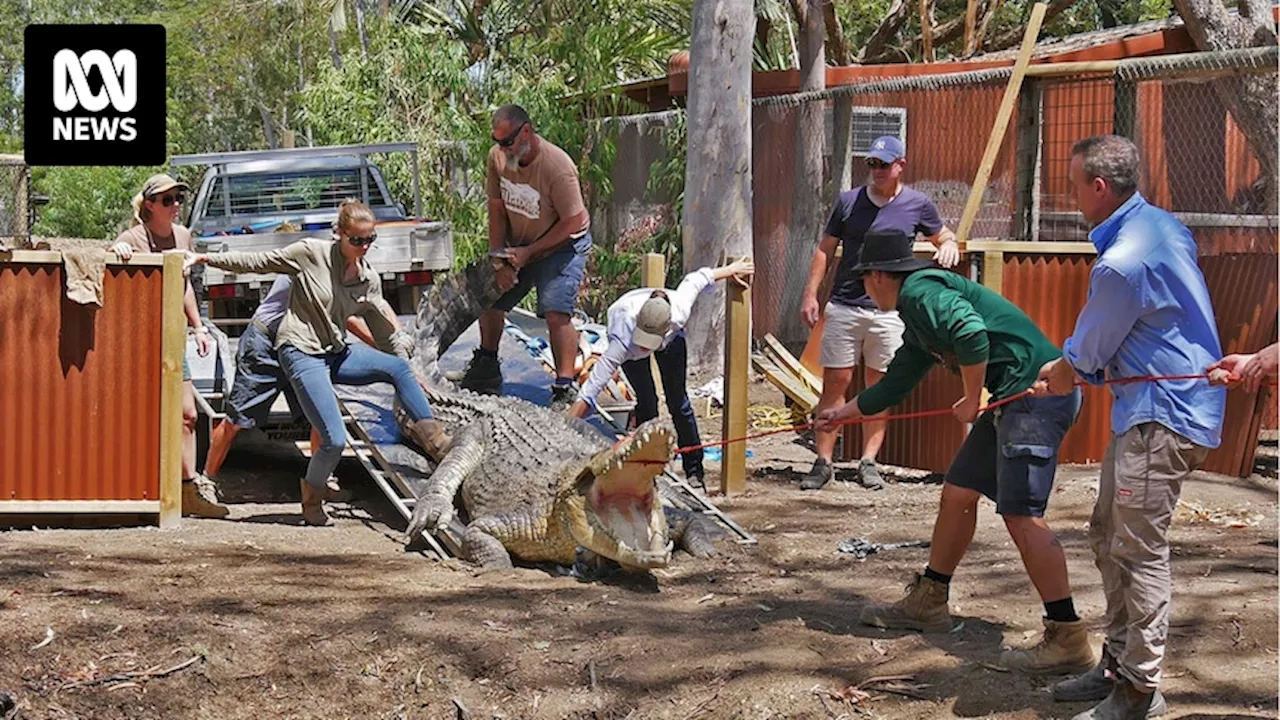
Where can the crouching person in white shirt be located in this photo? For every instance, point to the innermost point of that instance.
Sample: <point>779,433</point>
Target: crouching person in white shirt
<point>651,321</point>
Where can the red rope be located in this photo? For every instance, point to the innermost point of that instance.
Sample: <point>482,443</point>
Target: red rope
<point>919,414</point>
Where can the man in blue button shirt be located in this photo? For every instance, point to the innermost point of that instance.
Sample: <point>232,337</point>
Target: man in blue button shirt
<point>1148,314</point>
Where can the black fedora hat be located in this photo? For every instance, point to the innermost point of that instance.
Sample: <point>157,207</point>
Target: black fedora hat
<point>888,251</point>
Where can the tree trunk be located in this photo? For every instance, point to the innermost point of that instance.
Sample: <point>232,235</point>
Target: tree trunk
<point>1014,36</point>
<point>268,125</point>
<point>946,32</point>
<point>717,195</point>
<point>807,212</point>
<point>842,120</point>
<point>926,28</point>
<point>889,27</point>
<point>986,23</point>
<point>333,47</point>
<point>1251,99</point>
<point>364,37</point>
<point>970,23</point>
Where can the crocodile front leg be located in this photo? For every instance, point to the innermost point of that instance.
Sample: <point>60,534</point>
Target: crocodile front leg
<point>492,540</point>
<point>484,549</point>
<point>434,507</point>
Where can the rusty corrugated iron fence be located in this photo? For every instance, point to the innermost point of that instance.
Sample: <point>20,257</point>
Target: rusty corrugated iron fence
<point>1197,163</point>
<point>79,386</point>
<point>90,397</point>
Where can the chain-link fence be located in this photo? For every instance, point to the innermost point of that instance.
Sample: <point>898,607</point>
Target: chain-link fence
<point>1197,135</point>
<point>15,202</point>
<point>1199,161</point>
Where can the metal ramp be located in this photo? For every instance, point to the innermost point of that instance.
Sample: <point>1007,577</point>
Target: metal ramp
<point>400,472</point>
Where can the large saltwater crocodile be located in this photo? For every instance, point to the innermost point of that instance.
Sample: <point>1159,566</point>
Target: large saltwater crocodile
<point>535,484</point>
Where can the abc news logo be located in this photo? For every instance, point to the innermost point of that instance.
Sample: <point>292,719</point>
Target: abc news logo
<point>95,94</point>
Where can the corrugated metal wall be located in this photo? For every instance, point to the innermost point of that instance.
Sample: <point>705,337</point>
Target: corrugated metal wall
<point>79,386</point>
<point>926,443</point>
<point>1051,289</point>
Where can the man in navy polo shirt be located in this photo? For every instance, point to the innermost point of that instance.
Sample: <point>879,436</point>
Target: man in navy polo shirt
<point>855,329</point>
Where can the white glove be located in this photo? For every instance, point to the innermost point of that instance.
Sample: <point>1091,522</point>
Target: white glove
<point>123,249</point>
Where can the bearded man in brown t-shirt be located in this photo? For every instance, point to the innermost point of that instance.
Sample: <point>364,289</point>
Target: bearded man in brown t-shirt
<point>539,236</point>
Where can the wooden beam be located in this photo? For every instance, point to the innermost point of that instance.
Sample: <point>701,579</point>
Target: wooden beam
<point>653,274</point>
<point>802,396</point>
<point>993,270</point>
<point>51,257</point>
<point>789,362</point>
<point>1039,248</point>
<point>1003,115</point>
<point>173,344</point>
<point>95,507</point>
<point>737,358</point>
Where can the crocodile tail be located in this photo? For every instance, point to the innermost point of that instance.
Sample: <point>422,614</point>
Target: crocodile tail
<point>447,309</point>
<point>694,533</point>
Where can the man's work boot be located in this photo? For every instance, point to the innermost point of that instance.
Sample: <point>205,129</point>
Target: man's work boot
<point>1097,684</point>
<point>1092,686</point>
<point>924,608</point>
<point>818,476</point>
<point>429,435</point>
<point>563,395</point>
<point>483,374</point>
<point>1125,703</point>
<point>869,475</point>
<point>1064,648</point>
<point>200,499</point>
<point>313,505</point>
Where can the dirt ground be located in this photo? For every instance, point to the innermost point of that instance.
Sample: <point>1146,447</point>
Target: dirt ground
<point>283,621</point>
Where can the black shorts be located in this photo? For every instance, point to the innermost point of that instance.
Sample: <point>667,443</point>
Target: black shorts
<point>1011,453</point>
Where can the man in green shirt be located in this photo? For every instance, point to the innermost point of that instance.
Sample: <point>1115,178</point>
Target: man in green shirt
<point>1010,454</point>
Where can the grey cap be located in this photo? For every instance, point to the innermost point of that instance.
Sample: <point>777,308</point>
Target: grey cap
<point>652,323</point>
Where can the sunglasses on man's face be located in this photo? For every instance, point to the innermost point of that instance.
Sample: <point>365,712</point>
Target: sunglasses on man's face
<point>362,241</point>
<point>878,164</point>
<point>169,200</point>
<point>510,140</point>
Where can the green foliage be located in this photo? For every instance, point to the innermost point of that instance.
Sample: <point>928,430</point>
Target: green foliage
<point>87,202</point>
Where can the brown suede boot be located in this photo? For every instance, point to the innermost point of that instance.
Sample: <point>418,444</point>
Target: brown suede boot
<point>200,499</point>
<point>924,608</point>
<point>313,505</point>
<point>430,435</point>
<point>1064,648</point>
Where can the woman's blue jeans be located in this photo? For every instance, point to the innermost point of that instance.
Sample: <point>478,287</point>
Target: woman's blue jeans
<point>313,378</point>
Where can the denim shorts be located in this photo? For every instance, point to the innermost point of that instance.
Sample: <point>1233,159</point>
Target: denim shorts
<point>259,379</point>
<point>1011,453</point>
<point>557,277</point>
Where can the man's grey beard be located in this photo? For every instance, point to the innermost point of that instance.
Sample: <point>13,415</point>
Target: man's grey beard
<point>513,160</point>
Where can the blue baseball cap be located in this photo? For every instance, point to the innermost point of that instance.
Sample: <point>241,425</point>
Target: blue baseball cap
<point>887,148</point>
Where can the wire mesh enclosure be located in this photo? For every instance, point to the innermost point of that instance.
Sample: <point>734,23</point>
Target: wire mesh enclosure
<point>15,202</point>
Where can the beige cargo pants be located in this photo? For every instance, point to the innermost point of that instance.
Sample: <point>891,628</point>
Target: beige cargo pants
<point>1142,476</point>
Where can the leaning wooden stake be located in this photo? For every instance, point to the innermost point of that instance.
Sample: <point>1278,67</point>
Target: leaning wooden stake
<point>653,274</point>
<point>737,358</point>
<point>1003,116</point>
<point>173,344</point>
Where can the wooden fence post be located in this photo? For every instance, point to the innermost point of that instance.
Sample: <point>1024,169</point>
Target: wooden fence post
<point>737,358</point>
<point>653,274</point>
<point>173,346</point>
